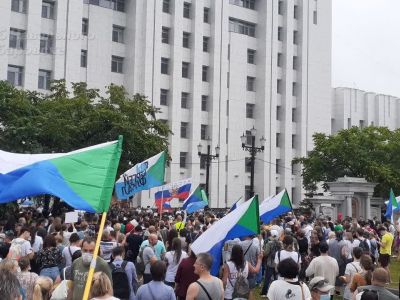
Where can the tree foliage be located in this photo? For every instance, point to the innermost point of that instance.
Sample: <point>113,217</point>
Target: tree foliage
<point>63,121</point>
<point>371,152</point>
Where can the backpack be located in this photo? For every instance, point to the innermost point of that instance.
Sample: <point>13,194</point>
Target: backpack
<point>275,247</point>
<point>15,251</point>
<point>364,246</point>
<point>77,254</point>
<point>241,289</point>
<point>120,280</point>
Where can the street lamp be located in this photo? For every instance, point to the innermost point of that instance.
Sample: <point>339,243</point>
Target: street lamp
<point>253,151</point>
<point>208,158</point>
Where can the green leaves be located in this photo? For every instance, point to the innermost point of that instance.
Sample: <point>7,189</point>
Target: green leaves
<point>67,120</point>
<point>371,152</point>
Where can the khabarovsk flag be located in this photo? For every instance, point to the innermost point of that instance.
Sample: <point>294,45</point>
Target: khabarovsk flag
<point>83,178</point>
<point>391,206</point>
<point>196,201</point>
<point>142,176</point>
<point>235,205</point>
<point>243,221</point>
<point>273,207</point>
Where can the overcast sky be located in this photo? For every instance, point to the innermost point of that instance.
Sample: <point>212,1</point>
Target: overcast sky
<point>366,45</point>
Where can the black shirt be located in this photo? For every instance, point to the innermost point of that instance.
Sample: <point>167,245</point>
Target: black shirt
<point>132,251</point>
<point>4,247</point>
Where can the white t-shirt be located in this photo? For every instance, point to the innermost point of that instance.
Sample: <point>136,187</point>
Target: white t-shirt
<point>324,266</point>
<point>172,266</point>
<point>38,244</point>
<point>67,255</point>
<point>233,274</point>
<point>286,254</point>
<point>281,289</point>
<point>351,269</point>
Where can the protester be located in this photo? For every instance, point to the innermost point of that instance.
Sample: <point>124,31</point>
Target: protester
<point>73,251</point>
<point>132,243</point>
<point>149,257</point>
<point>173,258</point>
<point>21,247</point>
<point>185,275</point>
<point>385,250</point>
<point>101,287</point>
<point>352,268</point>
<point>42,289</point>
<point>320,288</point>
<point>49,258</point>
<point>364,277</point>
<point>287,252</point>
<point>127,289</point>
<point>26,278</point>
<point>10,288</point>
<point>106,246</point>
<point>6,243</point>
<point>379,280</point>
<point>271,248</point>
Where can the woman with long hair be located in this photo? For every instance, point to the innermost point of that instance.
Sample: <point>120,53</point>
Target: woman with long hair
<point>101,287</point>
<point>26,278</point>
<point>49,258</point>
<point>364,277</point>
<point>237,266</point>
<point>43,288</point>
<point>173,259</point>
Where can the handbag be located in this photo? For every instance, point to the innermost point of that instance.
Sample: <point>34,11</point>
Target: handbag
<point>61,291</point>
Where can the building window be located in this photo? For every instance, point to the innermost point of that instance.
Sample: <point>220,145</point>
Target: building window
<point>279,86</point>
<point>249,137</point>
<point>362,124</point>
<point>227,79</point>
<point>165,6</point>
<point>251,84</point>
<point>185,69</point>
<point>280,7</point>
<point>83,58</point>
<point>182,159</point>
<point>247,192</point>
<point>278,113</point>
<point>279,60</point>
<point>206,15</point>
<point>293,141</point>
<point>204,74</point>
<point>117,64</point>
<point>118,5</point>
<point>85,26</point>
<point>186,10</point>
<point>242,27</point>
<point>348,123</point>
<point>277,170</point>
<point>165,35</point>
<point>48,9</point>
<point>296,12</point>
<point>295,59</point>
<point>250,110</point>
<point>295,37</point>
<point>280,33</point>
<point>44,80</point>
<point>247,164</point>
<point>203,132</point>
<point>250,4</point>
<point>164,65</point>
<point>184,130</point>
<point>251,56</point>
<point>278,139</point>
<point>15,75</point>
<point>17,38</point>
<point>18,6</point>
<point>203,162</point>
<point>184,100</point>
<point>118,34</point>
<point>163,97</point>
<point>46,43</point>
<point>204,102</point>
<point>206,41</point>
<point>315,17</point>
<point>186,40</point>
<point>294,88</point>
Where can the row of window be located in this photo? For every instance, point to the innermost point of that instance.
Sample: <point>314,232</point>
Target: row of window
<point>185,131</point>
<point>250,4</point>
<point>295,35</point>
<point>118,5</point>
<point>21,6</point>
<point>281,11</point>
<point>186,37</point>
<point>187,10</point>
<point>185,69</point>
<point>15,76</point>
<point>17,40</point>
<point>185,99</point>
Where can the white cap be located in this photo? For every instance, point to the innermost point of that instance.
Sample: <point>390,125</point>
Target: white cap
<point>274,233</point>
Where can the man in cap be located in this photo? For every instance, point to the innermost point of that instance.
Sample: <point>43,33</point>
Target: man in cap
<point>320,288</point>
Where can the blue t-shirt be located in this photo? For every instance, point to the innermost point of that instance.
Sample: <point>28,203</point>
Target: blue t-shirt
<point>155,290</point>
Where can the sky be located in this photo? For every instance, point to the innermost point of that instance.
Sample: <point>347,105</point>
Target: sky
<point>366,45</point>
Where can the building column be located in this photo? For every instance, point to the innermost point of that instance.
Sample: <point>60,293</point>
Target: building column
<point>348,206</point>
<point>367,207</point>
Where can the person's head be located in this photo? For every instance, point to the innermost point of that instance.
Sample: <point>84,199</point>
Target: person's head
<point>42,289</point>
<point>117,227</point>
<point>88,246</point>
<point>178,218</point>
<point>49,241</point>
<point>357,252</point>
<point>288,268</point>
<point>9,265</point>
<point>369,295</point>
<point>274,234</point>
<point>10,288</point>
<point>74,239</point>
<point>203,263</point>
<point>9,236</point>
<point>359,232</point>
<point>288,242</point>
<point>380,277</point>
<point>331,235</point>
<point>382,230</point>
<point>117,251</point>
<point>319,286</point>
<point>101,286</point>
<point>323,247</point>
<point>237,256</point>
<point>153,239</point>
<point>152,229</point>
<point>25,233</point>
<point>24,264</point>
<point>158,270</point>
<point>367,264</point>
<point>106,235</point>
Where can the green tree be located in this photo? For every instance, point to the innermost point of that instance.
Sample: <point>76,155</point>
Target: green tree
<point>62,121</point>
<point>371,152</point>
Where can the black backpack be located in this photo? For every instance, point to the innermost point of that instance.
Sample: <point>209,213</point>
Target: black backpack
<point>120,280</point>
<point>364,246</point>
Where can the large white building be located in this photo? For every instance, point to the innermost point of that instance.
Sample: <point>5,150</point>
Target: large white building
<point>215,67</point>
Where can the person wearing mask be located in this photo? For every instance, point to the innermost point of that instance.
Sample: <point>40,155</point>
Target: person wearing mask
<point>379,281</point>
<point>320,288</point>
<point>324,266</point>
<point>173,258</point>
<point>149,257</point>
<point>351,269</point>
<point>364,277</point>
<point>129,268</point>
<point>156,289</point>
<point>26,278</point>
<point>385,250</point>
<point>207,286</point>
<point>9,286</point>
<point>236,266</point>
<point>21,246</point>
<point>288,286</point>
<point>73,251</point>
<point>42,289</point>
<point>80,268</point>
<point>287,252</point>
<point>271,248</point>
<point>185,275</point>
<point>101,288</point>
<point>49,258</point>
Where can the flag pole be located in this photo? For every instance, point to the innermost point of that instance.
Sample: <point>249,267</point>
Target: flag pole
<point>93,263</point>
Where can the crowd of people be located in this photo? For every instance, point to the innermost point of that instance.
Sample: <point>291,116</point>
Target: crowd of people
<point>145,257</point>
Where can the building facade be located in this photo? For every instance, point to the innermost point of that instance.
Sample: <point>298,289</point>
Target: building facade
<point>216,68</point>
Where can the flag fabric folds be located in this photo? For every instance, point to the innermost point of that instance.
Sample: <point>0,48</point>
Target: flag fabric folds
<point>391,206</point>
<point>243,221</point>
<point>196,200</point>
<point>142,176</point>
<point>273,207</point>
<point>83,178</point>
<point>237,204</point>
<point>176,190</point>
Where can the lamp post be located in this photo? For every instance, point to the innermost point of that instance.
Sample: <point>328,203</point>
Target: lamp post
<point>253,151</point>
<point>208,157</point>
